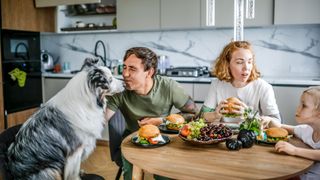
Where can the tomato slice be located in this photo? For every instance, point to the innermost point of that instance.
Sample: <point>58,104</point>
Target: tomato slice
<point>152,141</point>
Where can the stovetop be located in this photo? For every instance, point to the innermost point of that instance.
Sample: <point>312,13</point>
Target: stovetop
<point>186,71</point>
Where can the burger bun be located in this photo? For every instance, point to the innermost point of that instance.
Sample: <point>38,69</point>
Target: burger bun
<point>231,101</point>
<point>175,118</point>
<point>276,132</point>
<point>149,131</point>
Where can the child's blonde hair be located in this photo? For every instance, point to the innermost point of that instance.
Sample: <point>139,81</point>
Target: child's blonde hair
<point>314,92</point>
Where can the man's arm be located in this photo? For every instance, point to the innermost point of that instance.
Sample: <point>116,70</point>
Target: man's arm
<point>108,114</point>
<point>189,109</point>
<point>209,114</point>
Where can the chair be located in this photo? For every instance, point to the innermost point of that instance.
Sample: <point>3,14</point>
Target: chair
<point>116,127</point>
<point>6,138</point>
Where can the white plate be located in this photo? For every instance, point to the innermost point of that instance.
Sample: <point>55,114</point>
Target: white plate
<point>232,119</point>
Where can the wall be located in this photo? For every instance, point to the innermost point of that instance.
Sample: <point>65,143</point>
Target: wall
<point>282,51</point>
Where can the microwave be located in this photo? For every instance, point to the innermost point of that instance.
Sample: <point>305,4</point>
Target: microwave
<point>20,45</point>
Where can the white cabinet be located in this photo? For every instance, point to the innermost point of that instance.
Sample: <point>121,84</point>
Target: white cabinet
<point>297,12</point>
<point>161,14</point>
<point>263,13</point>
<point>288,99</point>
<point>177,14</point>
<point>138,14</point>
<point>200,92</point>
<point>188,87</point>
<point>51,86</point>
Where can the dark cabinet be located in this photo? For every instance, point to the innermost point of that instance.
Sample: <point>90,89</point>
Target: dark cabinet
<point>23,15</point>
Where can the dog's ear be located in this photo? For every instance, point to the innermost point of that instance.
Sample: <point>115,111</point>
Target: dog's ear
<point>90,63</point>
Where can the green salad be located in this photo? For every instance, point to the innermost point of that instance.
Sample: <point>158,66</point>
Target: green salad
<point>251,122</point>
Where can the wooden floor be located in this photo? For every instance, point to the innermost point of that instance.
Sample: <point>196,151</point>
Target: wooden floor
<point>99,162</point>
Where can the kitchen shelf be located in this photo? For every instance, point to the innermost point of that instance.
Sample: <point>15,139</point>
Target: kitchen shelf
<point>88,28</point>
<point>102,18</point>
<point>91,13</point>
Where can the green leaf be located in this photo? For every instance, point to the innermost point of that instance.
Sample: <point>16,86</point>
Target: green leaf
<point>143,142</point>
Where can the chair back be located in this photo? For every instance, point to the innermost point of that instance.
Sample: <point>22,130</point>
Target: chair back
<point>117,125</point>
<point>6,138</point>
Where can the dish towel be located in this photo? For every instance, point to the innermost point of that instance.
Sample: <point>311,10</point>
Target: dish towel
<point>20,75</point>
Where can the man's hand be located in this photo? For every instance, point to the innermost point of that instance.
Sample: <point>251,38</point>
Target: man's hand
<point>147,120</point>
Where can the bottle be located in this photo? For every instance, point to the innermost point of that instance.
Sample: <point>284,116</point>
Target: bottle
<point>120,68</point>
<point>66,67</point>
<point>162,64</point>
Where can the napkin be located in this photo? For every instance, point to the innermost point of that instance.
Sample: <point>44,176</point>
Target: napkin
<point>19,75</point>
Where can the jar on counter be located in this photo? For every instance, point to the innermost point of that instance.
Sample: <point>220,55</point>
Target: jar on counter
<point>66,67</point>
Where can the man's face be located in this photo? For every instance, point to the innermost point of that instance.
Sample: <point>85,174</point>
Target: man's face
<point>133,73</point>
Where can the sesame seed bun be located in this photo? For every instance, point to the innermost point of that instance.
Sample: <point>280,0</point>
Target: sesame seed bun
<point>276,132</point>
<point>231,102</point>
<point>175,118</point>
<point>149,131</point>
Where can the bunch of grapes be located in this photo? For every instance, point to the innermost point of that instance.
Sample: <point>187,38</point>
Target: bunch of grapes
<point>214,131</point>
<point>195,128</point>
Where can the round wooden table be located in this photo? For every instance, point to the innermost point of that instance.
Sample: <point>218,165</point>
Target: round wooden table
<point>181,160</point>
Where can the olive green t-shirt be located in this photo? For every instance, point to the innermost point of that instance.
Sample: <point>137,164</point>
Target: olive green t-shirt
<point>164,94</point>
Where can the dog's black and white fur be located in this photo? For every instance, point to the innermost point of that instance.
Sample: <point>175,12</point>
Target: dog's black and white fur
<point>54,141</point>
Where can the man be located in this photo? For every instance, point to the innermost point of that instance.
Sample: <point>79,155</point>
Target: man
<point>148,97</point>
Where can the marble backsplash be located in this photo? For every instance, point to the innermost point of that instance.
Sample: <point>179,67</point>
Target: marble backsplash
<point>281,51</point>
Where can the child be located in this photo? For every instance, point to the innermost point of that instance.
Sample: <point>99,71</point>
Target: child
<point>308,130</point>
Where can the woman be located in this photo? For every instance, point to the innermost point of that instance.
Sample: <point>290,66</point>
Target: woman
<point>238,76</point>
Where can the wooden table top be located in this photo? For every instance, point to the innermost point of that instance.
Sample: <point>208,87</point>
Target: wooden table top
<point>181,160</point>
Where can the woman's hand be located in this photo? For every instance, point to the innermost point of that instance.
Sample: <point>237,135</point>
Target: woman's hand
<point>220,108</point>
<point>237,107</point>
<point>212,116</point>
<point>286,147</point>
<point>147,120</point>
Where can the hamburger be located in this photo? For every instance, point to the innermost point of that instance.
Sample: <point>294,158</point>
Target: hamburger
<point>174,122</point>
<point>231,101</point>
<point>276,134</point>
<point>149,134</point>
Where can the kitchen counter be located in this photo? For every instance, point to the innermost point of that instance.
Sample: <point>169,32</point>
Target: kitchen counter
<point>289,81</point>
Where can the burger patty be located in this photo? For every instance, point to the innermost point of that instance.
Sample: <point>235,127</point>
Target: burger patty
<point>276,139</point>
<point>174,126</point>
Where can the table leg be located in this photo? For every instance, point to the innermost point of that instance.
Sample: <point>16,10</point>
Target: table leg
<point>137,173</point>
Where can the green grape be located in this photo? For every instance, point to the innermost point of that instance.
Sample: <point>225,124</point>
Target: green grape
<point>195,128</point>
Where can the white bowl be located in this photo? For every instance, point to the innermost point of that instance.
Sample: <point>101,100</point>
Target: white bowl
<point>231,119</point>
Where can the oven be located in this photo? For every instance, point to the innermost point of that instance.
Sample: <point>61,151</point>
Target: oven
<point>21,70</point>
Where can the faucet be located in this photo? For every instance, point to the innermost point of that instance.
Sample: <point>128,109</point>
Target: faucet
<point>104,58</point>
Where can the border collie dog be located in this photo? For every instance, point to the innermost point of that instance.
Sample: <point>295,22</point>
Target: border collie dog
<point>52,143</point>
